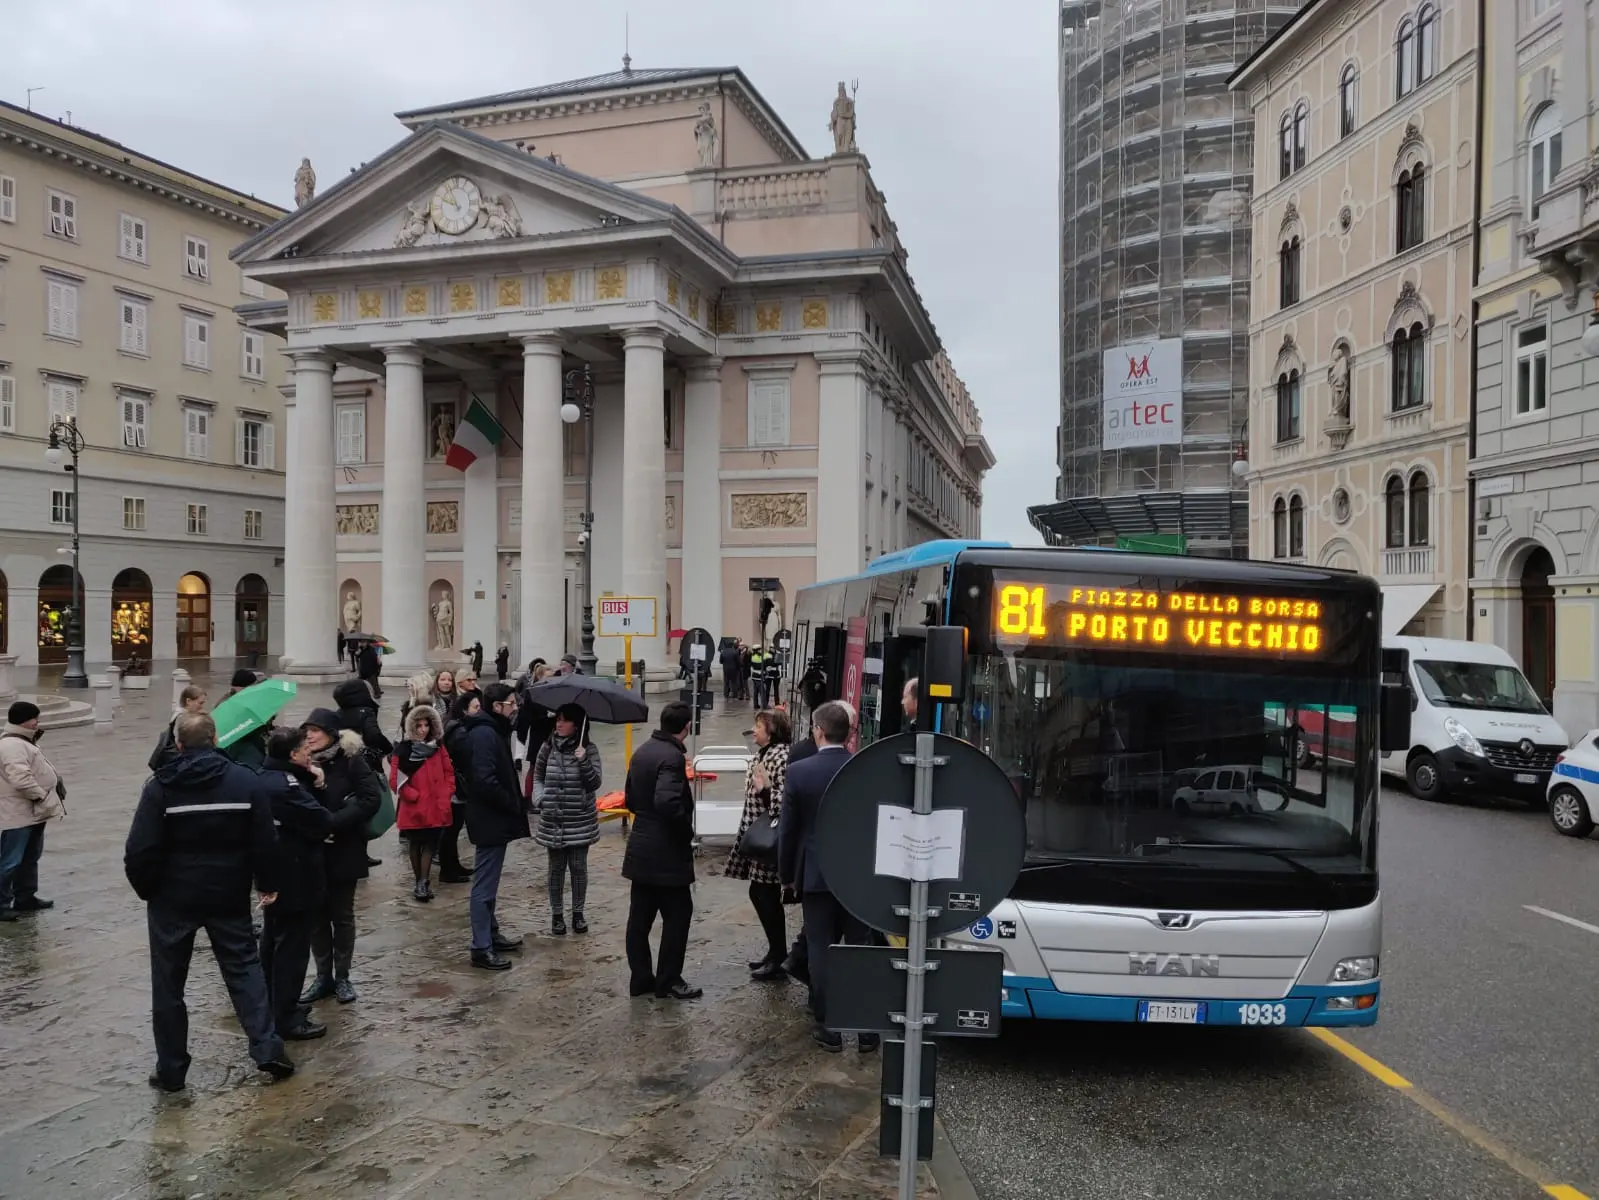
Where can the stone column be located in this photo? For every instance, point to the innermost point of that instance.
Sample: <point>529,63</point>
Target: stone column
<point>701,518</point>
<point>225,621</point>
<point>402,521</point>
<point>840,461</point>
<point>478,605</point>
<point>644,483</point>
<point>1576,683</point>
<point>96,625</point>
<point>23,623</point>
<point>310,585</point>
<point>543,501</point>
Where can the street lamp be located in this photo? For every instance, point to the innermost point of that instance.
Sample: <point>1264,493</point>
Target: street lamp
<point>66,438</point>
<point>578,405</point>
<point>1590,335</point>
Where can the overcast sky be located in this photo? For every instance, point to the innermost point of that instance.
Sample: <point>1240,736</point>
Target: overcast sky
<point>956,111</point>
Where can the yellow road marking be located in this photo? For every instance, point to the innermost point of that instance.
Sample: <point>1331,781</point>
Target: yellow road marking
<point>1477,1136</point>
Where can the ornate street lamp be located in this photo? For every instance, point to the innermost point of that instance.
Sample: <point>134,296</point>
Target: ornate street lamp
<point>578,405</point>
<point>66,438</point>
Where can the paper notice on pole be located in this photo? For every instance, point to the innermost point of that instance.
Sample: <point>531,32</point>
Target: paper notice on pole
<point>920,846</point>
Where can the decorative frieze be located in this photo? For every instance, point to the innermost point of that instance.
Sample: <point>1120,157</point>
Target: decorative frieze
<point>369,304</point>
<point>771,510</point>
<point>508,293</point>
<point>558,287</point>
<point>610,283</point>
<point>416,300</point>
<point>814,314</point>
<point>769,317</point>
<point>357,519</point>
<point>324,307</point>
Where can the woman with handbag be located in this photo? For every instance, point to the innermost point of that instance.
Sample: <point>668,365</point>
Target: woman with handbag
<point>566,780</point>
<point>755,857</point>
<point>423,810</point>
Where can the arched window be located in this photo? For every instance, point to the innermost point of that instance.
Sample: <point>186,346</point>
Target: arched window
<point>1409,368</point>
<point>1296,527</point>
<point>1393,501</point>
<point>1419,509</point>
<point>1405,58</point>
<point>1348,100</point>
<point>1289,267</point>
<point>1285,146</point>
<point>1288,407</point>
<point>1279,528</point>
<point>1301,134</point>
<point>1543,154</point>
<point>1426,43</point>
<point>1410,207</point>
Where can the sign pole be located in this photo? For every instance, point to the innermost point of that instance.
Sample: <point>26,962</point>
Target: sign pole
<point>915,987</point>
<point>627,682</point>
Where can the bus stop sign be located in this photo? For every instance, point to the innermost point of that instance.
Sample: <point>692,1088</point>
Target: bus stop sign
<point>971,844</point>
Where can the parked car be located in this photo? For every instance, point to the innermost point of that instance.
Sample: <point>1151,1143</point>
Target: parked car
<point>1234,790</point>
<point>1574,787</point>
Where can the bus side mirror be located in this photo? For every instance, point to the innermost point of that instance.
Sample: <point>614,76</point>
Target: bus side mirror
<point>943,679</point>
<point>1394,718</point>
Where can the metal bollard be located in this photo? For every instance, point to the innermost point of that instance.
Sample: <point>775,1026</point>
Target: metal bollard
<point>180,680</point>
<point>103,701</point>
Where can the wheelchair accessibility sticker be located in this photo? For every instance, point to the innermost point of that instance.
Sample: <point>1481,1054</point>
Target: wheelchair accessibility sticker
<point>982,929</point>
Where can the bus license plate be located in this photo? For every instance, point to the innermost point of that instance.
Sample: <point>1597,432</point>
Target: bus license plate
<point>1526,778</point>
<point>1171,1012</point>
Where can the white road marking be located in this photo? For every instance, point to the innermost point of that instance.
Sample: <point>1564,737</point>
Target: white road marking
<point>1554,916</point>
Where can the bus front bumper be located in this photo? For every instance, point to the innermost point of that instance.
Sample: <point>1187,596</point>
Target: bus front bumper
<point>1350,1004</point>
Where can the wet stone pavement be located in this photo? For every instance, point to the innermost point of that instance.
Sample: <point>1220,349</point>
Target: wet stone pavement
<point>543,1081</point>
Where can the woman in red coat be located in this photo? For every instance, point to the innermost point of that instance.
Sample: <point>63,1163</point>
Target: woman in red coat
<point>425,782</point>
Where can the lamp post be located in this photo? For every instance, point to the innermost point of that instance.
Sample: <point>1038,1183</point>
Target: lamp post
<point>66,438</point>
<point>578,405</point>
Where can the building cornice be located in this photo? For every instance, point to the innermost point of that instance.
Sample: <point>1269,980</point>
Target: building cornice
<point>85,153</point>
<point>1512,461</point>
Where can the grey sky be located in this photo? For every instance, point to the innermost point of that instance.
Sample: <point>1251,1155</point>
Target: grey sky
<point>957,113</point>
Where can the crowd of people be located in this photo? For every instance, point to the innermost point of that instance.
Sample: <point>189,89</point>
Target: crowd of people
<point>287,812</point>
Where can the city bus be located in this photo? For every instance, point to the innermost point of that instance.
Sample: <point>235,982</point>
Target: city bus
<point>1201,848</point>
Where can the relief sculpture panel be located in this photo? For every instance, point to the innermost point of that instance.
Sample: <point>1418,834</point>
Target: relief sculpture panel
<point>771,510</point>
<point>444,516</point>
<point>359,519</point>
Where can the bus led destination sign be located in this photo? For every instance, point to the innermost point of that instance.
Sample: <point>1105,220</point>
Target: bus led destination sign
<point>1143,619</point>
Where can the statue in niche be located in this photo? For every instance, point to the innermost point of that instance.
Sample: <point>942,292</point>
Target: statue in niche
<point>304,184</point>
<point>443,623</point>
<point>352,613</point>
<point>1338,382</point>
<point>442,425</point>
<point>842,122</point>
<point>705,135</point>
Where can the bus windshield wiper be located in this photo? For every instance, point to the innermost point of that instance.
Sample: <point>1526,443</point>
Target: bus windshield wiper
<point>1282,854</point>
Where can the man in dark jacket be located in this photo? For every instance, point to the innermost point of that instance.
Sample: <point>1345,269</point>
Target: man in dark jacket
<point>496,816</point>
<point>291,782</point>
<point>202,831</point>
<point>826,922</point>
<point>730,657</point>
<point>659,860</point>
<point>369,666</point>
<point>351,794</point>
<point>358,712</point>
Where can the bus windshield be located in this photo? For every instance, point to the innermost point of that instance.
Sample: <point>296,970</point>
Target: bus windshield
<point>1134,759</point>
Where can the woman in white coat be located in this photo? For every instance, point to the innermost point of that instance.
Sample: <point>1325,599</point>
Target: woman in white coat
<point>31,793</point>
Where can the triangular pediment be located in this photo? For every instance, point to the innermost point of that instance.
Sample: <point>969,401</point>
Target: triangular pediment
<point>444,186</point>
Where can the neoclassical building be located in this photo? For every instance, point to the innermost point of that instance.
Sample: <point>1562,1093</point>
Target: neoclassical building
<point>771,402</point>
<point>1360,311</point>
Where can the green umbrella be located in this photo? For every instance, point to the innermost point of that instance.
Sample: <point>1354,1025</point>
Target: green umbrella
<point>248,710</point>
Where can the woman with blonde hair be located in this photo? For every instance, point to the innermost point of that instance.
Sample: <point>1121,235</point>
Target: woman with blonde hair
<point>419,690</point>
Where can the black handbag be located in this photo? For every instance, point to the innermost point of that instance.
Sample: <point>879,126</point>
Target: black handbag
<point>759,842</point>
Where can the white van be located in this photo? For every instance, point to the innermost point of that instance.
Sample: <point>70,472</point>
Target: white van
<point>1476,725</point>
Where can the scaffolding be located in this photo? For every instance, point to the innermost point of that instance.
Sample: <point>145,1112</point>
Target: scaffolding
<point>1156,160</point>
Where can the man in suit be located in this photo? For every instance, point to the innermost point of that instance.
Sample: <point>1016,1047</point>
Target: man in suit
<point>826,922</point>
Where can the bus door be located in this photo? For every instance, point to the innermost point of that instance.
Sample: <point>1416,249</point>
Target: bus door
<point>903,655</point>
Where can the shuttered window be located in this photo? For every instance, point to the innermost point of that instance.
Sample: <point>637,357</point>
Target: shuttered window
<point>131,242</point>
<point>62,318</point>
<point>135,321</point>
<point>352,433</point>
<point>196,258</point>
<point>768,415</point>
<point>197,342</point>
<point>196,433</point>
<point>63,215</point>
<point>62,399</point>
<point>253,443</point>
<point>135,421</point>
<point>8,404</point>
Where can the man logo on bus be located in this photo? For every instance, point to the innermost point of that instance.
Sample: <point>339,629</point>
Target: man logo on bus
<point>1137,368</point>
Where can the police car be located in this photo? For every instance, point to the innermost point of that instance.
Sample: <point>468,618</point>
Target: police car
<point>1574,787</point>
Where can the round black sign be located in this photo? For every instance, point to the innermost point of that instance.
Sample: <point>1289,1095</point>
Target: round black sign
<point>685,651</point>
<point>994,833</point>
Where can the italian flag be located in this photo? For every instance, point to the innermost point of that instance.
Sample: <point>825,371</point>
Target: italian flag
<point>475,436</point>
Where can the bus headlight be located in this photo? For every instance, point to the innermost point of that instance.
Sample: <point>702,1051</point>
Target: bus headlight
<point>1464,738</point>
<point>1354,970</point>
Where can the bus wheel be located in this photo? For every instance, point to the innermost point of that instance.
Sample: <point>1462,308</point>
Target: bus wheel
<point>1424,778</point>
<point>1568,812</point>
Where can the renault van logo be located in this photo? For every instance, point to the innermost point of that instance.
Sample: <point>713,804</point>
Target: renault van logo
<point>1526,747</point>
<point>1173,964</point>
<point>1176,920</point>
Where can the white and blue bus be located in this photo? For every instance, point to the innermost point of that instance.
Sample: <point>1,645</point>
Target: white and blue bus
<point>1187,860</point>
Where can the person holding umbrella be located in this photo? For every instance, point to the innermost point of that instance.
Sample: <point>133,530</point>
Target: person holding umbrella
<point>567,771</point>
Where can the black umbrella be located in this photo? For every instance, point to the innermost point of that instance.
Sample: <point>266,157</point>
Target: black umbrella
<point>361,636</point>
<point>603,700</point>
